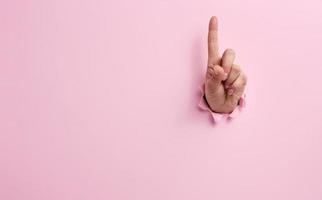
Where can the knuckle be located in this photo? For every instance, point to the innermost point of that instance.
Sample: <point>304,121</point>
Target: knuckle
<point>210,69</point>
<point>237,69</point>
<point>218,69</point>
<point>208,75</point>
<point>212,38</point>
<point>230,51</point>
<point>210,72</point>
<point>244,80</point>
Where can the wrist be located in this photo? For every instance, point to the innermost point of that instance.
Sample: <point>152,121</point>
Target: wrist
<point>224,109</point>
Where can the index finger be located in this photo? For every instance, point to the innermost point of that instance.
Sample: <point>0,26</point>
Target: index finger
<point>213,53</point>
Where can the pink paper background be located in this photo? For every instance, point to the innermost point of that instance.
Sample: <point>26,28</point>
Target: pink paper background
<point>98,100</point>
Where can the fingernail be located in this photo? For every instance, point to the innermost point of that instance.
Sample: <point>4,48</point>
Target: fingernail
<point>230,91</point>
<point>225,76</point>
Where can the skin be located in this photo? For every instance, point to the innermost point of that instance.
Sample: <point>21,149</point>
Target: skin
<point>225,81</point>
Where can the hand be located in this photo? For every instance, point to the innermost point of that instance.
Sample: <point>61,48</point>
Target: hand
<point>225,82</point>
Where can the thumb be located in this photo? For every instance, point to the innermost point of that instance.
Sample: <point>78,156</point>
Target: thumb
<point>214,77</point>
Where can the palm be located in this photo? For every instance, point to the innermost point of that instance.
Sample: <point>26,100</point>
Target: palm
<point>225,82</point>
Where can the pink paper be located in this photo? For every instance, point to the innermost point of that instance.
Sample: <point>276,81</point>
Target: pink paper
<point>98,100</point>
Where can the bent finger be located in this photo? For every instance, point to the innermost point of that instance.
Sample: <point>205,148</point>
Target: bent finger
<point>237,88</point>
<point>228,59</point>
<point>233,75</point>
<point>214,76</point>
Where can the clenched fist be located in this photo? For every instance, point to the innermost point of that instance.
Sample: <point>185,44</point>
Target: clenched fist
<point>225,82</point>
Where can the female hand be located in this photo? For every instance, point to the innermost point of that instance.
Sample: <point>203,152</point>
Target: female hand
<point>225,82</point>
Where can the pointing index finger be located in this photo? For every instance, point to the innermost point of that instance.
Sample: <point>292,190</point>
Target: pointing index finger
<point>213,53</point>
